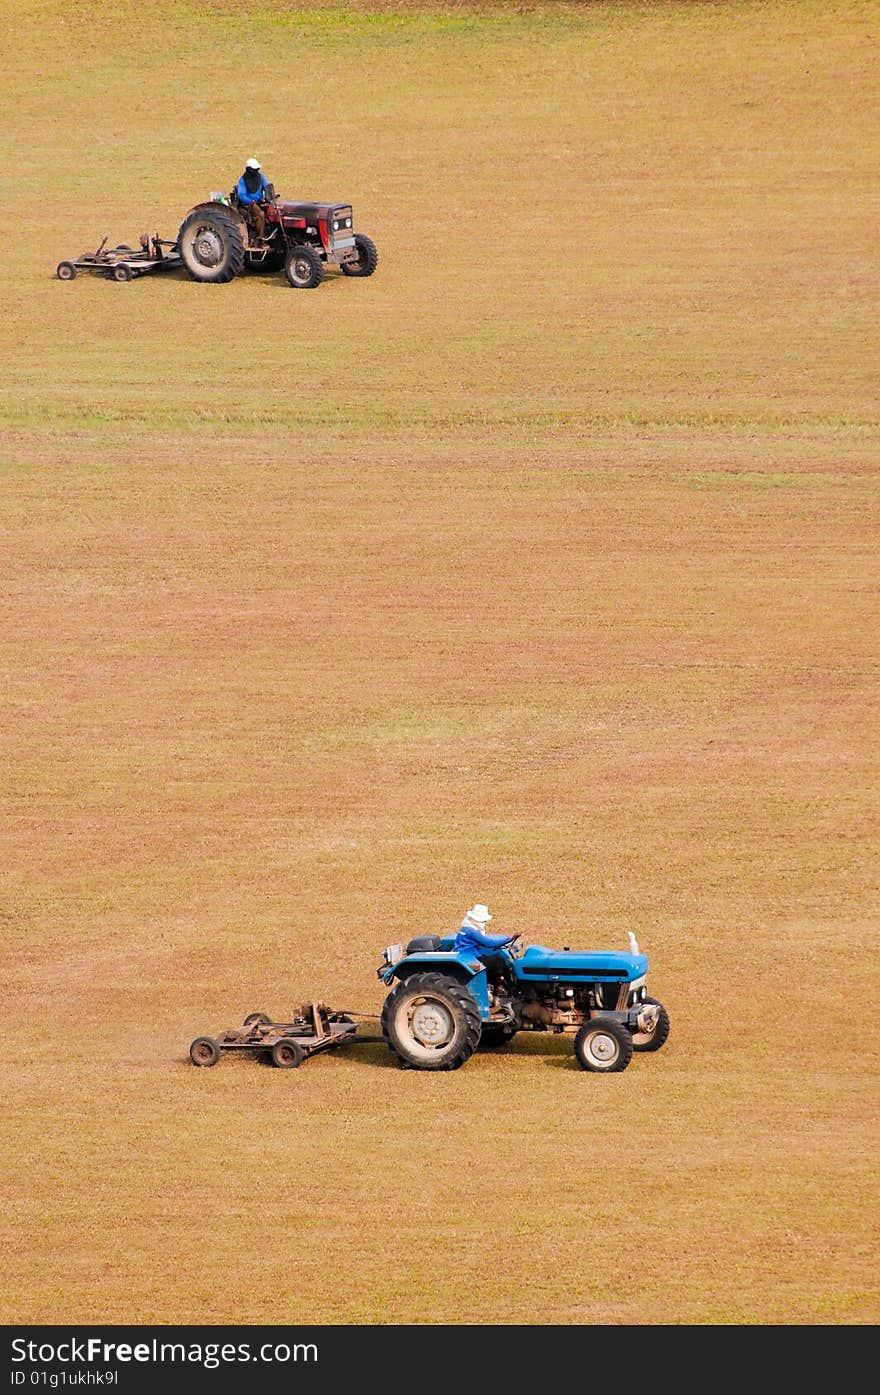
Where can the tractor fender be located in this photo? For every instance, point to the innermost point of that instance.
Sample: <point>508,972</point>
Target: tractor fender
<point>229,208</point>
<point>459,966</point>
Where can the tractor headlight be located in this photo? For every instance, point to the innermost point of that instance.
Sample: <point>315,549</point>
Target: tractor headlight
<point>348,222</point>
<point>393,953</point>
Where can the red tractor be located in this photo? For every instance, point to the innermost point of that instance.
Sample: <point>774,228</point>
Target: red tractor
<point>217,241</point>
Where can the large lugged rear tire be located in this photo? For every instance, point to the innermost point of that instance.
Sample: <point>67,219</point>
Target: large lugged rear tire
<point>431,1022</point>
<point>211,245</point>
<point>603,1044</point>
<point>368,257</point>
<point>652,1041</point>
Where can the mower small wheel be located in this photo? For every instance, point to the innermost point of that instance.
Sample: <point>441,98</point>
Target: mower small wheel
<point>121,273</point>
<point>65,271</point>
<point>303,268</point>
<point>603,1044</point>
<point>287,1054</point>
<point>204,1052</point>
<point>652,1041</point>
<point>255,1018</point>
<point>368,257</point>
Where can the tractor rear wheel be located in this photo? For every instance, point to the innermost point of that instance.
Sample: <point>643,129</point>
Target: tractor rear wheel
<point>303,268</point>
<point>368,257</point>
<point>211,245</point>
<point>603,1044</point>
<point>431,1022</point>
<point>653,1040</point>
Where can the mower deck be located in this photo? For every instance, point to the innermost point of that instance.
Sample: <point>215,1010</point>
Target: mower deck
<point>314,1028</point>
<point>124,263</point>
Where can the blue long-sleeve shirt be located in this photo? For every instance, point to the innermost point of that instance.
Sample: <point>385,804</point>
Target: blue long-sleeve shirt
<point>477,942</point>
<point>246,195</point>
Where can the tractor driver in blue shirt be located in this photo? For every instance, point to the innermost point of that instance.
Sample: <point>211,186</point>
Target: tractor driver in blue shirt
<point>250,192</point>
<point>472,938</point>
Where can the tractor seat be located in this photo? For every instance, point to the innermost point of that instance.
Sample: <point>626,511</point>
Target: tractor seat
<point>424,944</point>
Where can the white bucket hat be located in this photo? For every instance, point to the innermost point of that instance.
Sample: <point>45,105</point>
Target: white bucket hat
<point>252,164</point>
<point>479,914</point>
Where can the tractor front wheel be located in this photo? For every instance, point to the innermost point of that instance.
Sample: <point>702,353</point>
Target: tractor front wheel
<point>65,271</point>
<point>303,268</point>
<point>603,1044</point>
<point>653,1040</point>
<point>211,245</point>
<point>431,1022</point>
<point>367,257</point>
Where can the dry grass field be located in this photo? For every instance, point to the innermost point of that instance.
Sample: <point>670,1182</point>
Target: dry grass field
<point>540,569</point>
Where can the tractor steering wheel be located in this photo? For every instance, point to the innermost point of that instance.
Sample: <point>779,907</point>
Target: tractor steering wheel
<point>515,947</point>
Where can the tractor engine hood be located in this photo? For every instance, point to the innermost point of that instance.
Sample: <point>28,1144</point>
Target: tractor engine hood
<point>580,965</point>
<point>311,212</point>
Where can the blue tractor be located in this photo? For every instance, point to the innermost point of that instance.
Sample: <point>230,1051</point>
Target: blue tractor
<point>445,1003</point>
